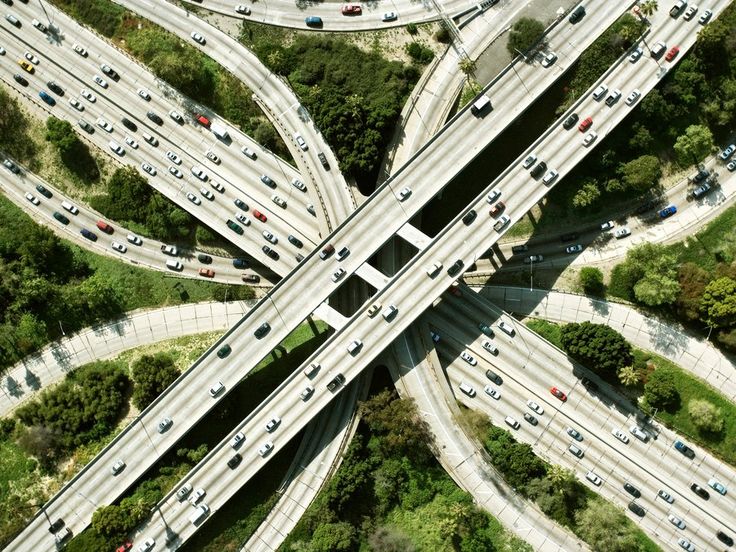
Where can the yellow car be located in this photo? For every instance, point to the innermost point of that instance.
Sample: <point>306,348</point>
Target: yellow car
<point>27,66</point>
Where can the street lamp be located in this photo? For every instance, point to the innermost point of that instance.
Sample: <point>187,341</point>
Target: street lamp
<point>531,273</point>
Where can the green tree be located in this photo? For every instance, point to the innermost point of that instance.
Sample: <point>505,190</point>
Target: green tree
<point>152,374</point>
<point>648,7</point>
<point>42,443</point>
<point>606,526</point>
<point>467,65</point>
<point>660,390</point>
<point>30,334</point>
<point>598,347</point>
<point>389,538</point>
<point>705,415</point>
<point>718,305</point>
<point>694,146</point>
<point>628,376</point>
<point>656,289</point>
<point>642,173</point>
<point>693,280</point>
<point>586,195</point>
<point>113,522</point>
<point>591,280</point>
<point>524,34</point>
<point>516,461</point>
<point>641,138</point>
<point>333,537</point>
<point>61,134</point>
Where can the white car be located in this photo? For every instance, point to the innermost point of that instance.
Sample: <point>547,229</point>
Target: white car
<point>306,393</point>
<point>301,142</point>
<point>299,185</point>
<point>135,240</point>
<point>270,237</point>
<point>176,116</point>
<point>80,50</point>
<point>467,357</point>
<point>2,51</point>
<point>175,171</point>
<point>622,233</point>
<point>664,495</point>
<point>145,94</point>
<point>242,218</point>
<point>147,545</point>
<point>631,98</point>
<point>590,138</point>
<point>705,17</point>
<point>273,423</point>
<point>690,12</point>
<point>33,199</point>
<point>490,347</point>
<point>89,96</point>
<point>119,247</point>
<point>549,59</point>
<point>507,328</point>
<point>241,9</point>
<point>76,104</point>
<point>636,54</point>
<point>608,225</point>
<point>212,156</point>
<point>33,59</point>
<point>197,496</point>
<point>193,198</point>
<point>173,157</point>
<point>492,392</point>
<point>265,449</point>
<point>574,248</point>
<point>217,186</point>
<point>593,478</point>
<point>99,80</point>
<point>103,124</point>
<point>148,168</point>
<point>620,435</point>
<point>117,148</point>
<point>550,176</point>
<point>339,273</point>
<point>278,200</point>
<point>535,407</point>
<point>131,142</point>
<point>196,37</point>
<point>404,193</point>
<point>117,467</point>
<point>529,161</point>
<point>165,424</point>
<point>206,193</point>
<point>676,521</point>
<point>389,16</point>
<point>199,173</point>
<point>494,195</point>
<point>686,544</point>
<point>638,433</point>
<point>237,439</point>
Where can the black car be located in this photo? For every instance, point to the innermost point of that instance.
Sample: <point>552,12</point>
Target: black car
<point>20,79</point>
<point>469,217</point>
<point>494,377</point>
<point>224,351</point>
<point>240,204</point>
<point>234,461</point>
<point>589,385</point>
<point>91,236</point>
<point>262,330</point>
<point>235,227</point>
<point>323,160</point>
<point>251,278</point>
<point>55,88</point>
<point>336,382</point>
<point>531,419</point>
<point>204,258</point>
<point>539,169</point>
<point>577,14</point>
<point>516,249</point>
<point>700,491</point>
<point>633,491</point>
<point>9,3</point>
<point>240,263</point>
<point>130,125</point>
<point>724,538</point>
<point>155,118</point>
<point>638,510</point>
<point>58,524</point>
<point>570,121</point>
<point>110,72</point>
<point>43,191</point>
<point>270,252</point>
<point>296,242</point>
<point>61,218</point>
<point>455,269</point>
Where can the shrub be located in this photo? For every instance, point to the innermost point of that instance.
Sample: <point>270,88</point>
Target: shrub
<point>419,53</point>
<point>524,34</point>
<point>152,374</point>
<point>442,35</point>
<point>591,280</point>
<point>598,347</point>
<point>412,29</point>
<point>660,390</point>
<point>705,416</point>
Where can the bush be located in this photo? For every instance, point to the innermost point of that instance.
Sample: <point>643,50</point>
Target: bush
<point>591,280</point>
<point>412,29</point>
<point>660,390</point>
<point>705,416</point>
<point>152,374</point>
<point>525,33</point>
<point>598,347</point>
<point>419,53</point>
<point>443,35</point>
<point>516,461</point>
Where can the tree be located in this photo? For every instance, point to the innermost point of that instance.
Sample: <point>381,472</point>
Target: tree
<point>693,280</point>
<point>42,443</point>
<point>660,390</point>
<point>656,289</point>
<point>694,146</point>
<point>333,537</point>
<point>525,33</point>
<point>516,461</point>
<point>586,195</point>
<point>152,374</point>
<point>648,7</point>
<point>642,173</point>
<point>628,376</point>
<point>467,65</point>
<point>389,538</point>
<point>606,526</point>
<point>718,305</point>
<point>112,522</point>
<point>598,347</point>
<point>591,280</point>
<point>61,134</point>
<point>705,416</point>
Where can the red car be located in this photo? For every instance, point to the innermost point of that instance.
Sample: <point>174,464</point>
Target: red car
<point>586,124</point>
<point>260,216</point>
<point>559,394</point>
<point>672,54</point>
<point>497,209</point>
<point>102,225</point>
<point>207,272</point>
<point>352,9</point>
<point>124,547</point>
<point>204,121</point>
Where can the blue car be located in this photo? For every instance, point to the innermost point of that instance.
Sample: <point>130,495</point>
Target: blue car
<point>240,263</point>
<point>684,449</point>
<point>667,211</point>
<point>313,21</point>
<point>89,235</point>
<point>45,97</point>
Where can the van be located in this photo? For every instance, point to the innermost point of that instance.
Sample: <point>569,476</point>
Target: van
<point>577,14</point>
<point>599,92</point>
<point>480,105</point>
<point>467,389</point>
<point>174,265</point>
<point>511,422</point>
<point>69,207</point>
<point>150,139</point>
<point>355,346</point>
<point>200,512</point>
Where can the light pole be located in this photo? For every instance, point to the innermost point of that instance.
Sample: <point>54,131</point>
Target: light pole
<point>531,273</point>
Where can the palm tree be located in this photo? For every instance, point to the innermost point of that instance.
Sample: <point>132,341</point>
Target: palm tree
<point>628,376</point>
<point>648,7</point>
<point>558,475</point>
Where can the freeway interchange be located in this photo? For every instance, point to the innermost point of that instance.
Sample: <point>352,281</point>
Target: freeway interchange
<point>412,290</point>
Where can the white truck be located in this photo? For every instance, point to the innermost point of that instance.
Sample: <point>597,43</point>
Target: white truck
<point>219,131</point>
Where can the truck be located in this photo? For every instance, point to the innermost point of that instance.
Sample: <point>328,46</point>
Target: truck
<point>219,131</point>
<point>677,8</point>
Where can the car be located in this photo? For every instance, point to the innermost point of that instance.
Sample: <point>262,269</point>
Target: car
<point>86,126</point>
<point>494,377</point>
<point>727,152</point>
<point>538,170</point>
<point>117,467</point>
<point>270,237</point>
<point>165,424</point>
<point>12,167</point>
<point>664,495</point>
<point>46,98</point>
<point>404,193</point>
<point>705,17</point>
<point>278,200</point>
<point>599,92</point>
<point>81,50</point>
<point>724,538</point>
<point>119,247</point>
<point>20,79</point>
<point>265,449</point>
<point>154,117</point>
<point>467,357</point>
<point>633,491</point>
<point>613,97</point>
<point>700,491</point>
<point>638,510</point>
<point>100,81</point>
<point>455,268</point>
<point>200,173</point>
<point>207,194</point>
<point>351,9</point>
<point>490,347</point>
<point>667,211</point>
<point>32,58</point>
<point>557,393</point>
<point>494,393</point>
<point>91,236</point>
<point>574,248</point>
<point>197,496</point>
<point>244,220</point>
<point>549,59</point>
<point>234,461</point>
<point>56,525</point>
<point>173,157</point>
<point>299,185</point>
<point>690,12</point>
<point>176,116</point>
<point>206,272</point>
<point>61,218</point>
<point>116,148</point>
<point>33,199</point>
<point>234,226</point>
<point>260,216</point>
<point>493,196</point>
<point>632,97</point>
<point>27,66</point>
<point>636,54</point>
<point>608,225</point>
<point>87,95</point>
<point>310,210</point>
<point>43,191</point>
<point>374,309</point>
<point>262,330</point>
<point>576,450</point>
<point>590,138</point>
<point>148,168</point>
<point>338,274</point>
<point>183,491</point>
<point>469,217</point>
<point>686,544</point>
<point>296,242</point>
<point>567,125</point>
<point>130,125</point>
<point>240,204</point>
<point>699,176</point>
<point>301,142</point>
<point>147,545</point>
<point>486,329</point>
<point>216,389</point>
<point>507,328</point>
<point>497,209</point>
<point>76,104</point>
<point>531,419</point>
<point>684,449</point>
<point>131,142</point>
<point>533,259</point>
<point>109,71</point>
<point>530,160</point>
<point>272,424</point>
<point>145,94</point>
<point>676,521</point>
<point>620,435</point>
<point>103,124</point>
<point>731,165</point>
<point>593,478</point>
<point>535,407</point>
<point>637,432</point>
<point>306,393</point>
<point>135,240</point>
<point>717,486</point>
<point>206,259</point>
<point>672,53</point>
<point>237,439</point>
<point>511,422</point>
<point>622,233</point>
<point>574,433</point>
<point>10,18</point>
<point>176,172</point>
<point>389,16</point>
<point>243,10</point>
